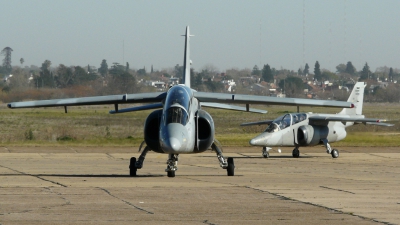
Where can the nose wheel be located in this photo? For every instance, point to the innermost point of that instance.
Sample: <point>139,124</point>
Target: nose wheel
<point>172,165</point>
<point>296,153</point>
<point>265,152</point>
<point>335,153</point>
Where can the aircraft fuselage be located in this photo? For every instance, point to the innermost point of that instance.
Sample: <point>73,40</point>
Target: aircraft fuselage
<point>177,126</point>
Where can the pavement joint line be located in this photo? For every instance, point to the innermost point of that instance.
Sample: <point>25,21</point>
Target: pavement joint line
<point>110,156</point>
<point>124,201</point>
<point>308,203</point>
<point>381,156</point>
<point>317,205</point>
<point>244,155</point>
<point>67,202</point>
<point>335,189</point>
<point>38,177</point>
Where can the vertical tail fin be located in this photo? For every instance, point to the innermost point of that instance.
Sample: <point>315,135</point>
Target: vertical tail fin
<point>186,59</point>
<point>357,98</point>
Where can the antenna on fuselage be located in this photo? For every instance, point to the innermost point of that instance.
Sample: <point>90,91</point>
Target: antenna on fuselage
<point>186,59</point>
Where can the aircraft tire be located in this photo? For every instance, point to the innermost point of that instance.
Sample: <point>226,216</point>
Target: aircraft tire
<point>265,154</point>
<point>231,167</point>
<point>171,173</point>
<point>132,167</point>
<point>296,153</point>
<point>335,153</point>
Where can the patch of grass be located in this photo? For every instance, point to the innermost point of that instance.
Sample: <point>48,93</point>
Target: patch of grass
<point>371,139</point>
<point>94,126</point>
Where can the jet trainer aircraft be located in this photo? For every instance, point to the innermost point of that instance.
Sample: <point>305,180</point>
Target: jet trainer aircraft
<point>308,129</point>
<point>179,125</point>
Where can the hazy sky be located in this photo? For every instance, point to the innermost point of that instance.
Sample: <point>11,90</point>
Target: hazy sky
<point>228,33</point>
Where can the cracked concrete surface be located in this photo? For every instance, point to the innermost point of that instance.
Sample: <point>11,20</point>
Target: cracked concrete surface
<point>90,185</point>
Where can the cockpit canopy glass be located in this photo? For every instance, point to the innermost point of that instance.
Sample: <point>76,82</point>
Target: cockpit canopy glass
<point>177,115</point>
<point>177,105</point>
<point>285,121</point>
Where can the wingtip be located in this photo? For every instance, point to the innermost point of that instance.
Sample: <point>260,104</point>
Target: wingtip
<point>9,105</point>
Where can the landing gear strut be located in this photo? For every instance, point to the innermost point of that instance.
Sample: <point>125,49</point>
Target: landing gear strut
<point>134,164</point>
<point>172,165</point>
<point>265,152</point>
<point>329,150</point>
<point>225,164</point>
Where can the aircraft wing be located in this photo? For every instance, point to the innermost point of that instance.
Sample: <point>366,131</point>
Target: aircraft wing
<point>231,107</point>
<point>96,100</point>
<point>138,108</point>
<point>257,123</point>
<point>266,100</point>
<point>370,121</point>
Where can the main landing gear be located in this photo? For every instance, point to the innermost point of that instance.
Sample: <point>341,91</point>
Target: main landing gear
<point>329,150</point>
<point>225,164</point>
<point>134,164</point>
<point>172,162</point>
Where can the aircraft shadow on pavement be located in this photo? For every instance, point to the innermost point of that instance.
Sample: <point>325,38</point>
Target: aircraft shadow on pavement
<point>109,175</point>
<point>82,175</point>
<point>271,157</point>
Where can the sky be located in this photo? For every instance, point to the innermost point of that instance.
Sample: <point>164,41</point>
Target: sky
<point>228,33</point>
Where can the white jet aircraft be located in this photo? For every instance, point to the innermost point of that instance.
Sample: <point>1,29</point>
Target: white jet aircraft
<point>179,125</point>
<point>308,129</point>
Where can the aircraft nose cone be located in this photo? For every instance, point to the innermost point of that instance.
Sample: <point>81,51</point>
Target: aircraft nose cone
<point>175,144</point>
<point>258,141</point>
<point>253,141</point>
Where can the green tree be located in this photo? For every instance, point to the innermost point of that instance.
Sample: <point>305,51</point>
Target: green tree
<point>391,74</point>
<point>267,74</point>
<point>103,70</point>
<point>64,76</point>
<point>46,78</point>
<point>292,86</point>
<point>341,68</point>
<point>317,72</point>
<point>306,69</point>
<point>121,81</point>
<point>365,72</point>
<point>299,72</point>
<point>22,61</point>
<point>255,71</point>
<point>350,69</point>
<point>178,71</point>
<point>142,71</point>
<point>81,76</point>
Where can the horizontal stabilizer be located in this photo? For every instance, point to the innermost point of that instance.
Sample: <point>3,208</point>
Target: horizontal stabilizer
<point>346,119</point>
<point>138,108</point>
<point>380,124</point>
<point>231,107</point>
<point>257,123</point>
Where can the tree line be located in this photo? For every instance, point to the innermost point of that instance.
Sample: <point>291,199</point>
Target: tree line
<point>76,81</point>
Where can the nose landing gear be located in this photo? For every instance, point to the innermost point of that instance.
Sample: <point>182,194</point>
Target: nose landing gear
<point>172,165</point>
